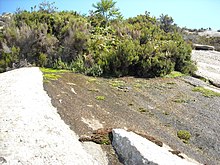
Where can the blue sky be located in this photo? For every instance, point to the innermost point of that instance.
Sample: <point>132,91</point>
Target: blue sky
<point>189,13</point>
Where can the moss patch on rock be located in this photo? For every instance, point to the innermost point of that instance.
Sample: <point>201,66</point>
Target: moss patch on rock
<point>174,74</point>
<point>184,135</point>
<point>51,74</point>
<point>117,83</point>
<point>206,92</point>
<point>100,97</point>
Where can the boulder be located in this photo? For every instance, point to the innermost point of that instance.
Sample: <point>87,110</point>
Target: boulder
<point>133,149</point>
<point>2,23</point>
<point>6,16</point>
<point>203,47</point>
<point>215,82</point>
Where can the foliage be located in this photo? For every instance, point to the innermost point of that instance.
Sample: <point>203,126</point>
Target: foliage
<point>166,23</point>
<point>59,64</point>
<point>99,44</point>
<point>48,7</point>
<point>107,9</point>
<point>95,70</point>
<point>184,135</point>
<point>78,65</point>
<point>42,59</point>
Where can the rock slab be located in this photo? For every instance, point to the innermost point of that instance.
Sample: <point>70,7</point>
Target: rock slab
<point>208,63</point>
<point>203,47</point>
<point>31,131</point>
<point>136,150</point>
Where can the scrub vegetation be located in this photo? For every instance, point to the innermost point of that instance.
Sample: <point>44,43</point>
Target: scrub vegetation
<point>101,43</point>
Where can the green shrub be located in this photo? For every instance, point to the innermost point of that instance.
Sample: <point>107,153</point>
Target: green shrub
<point>42,59</point>
<point>59,64</point>
<point>184,135</point>
<point>78,65</point>
<point>95,70</point>
<point>138,46</point>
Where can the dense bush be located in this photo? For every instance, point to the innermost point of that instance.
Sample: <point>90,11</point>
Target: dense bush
<point>139,46</point>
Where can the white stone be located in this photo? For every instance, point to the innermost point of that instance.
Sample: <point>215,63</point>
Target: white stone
<point>31,131</point>
<point>203,47</point>
<point>210,33</point>
<point>96,151</point>
<point>136,150</point>
<point>208,63</point>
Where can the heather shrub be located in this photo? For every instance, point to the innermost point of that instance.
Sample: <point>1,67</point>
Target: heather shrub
<point>94,45</point>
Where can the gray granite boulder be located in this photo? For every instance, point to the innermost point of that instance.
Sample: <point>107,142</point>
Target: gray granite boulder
<point>136,150</point>
<point>203,47</point>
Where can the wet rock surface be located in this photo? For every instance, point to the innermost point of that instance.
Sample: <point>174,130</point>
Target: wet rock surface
<point>158,107</point>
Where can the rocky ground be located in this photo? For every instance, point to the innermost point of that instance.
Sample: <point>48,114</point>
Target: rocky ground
<point>210,33</point>
<point>208,63</point>
<point>158,107</point>
<point>31,131</point>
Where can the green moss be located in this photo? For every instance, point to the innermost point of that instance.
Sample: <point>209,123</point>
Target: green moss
<point>174,74</point>
<point>105,141</point>
<point>137,85</point>
<point>46,81</point>
<point>50,70</point>
<point>91,80</point>
<point>184,135</point>
<point>206,92</point>
<point>100,97</point>
<point>51,76</point>
<point>179,101</point>
<point>117,83</point>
